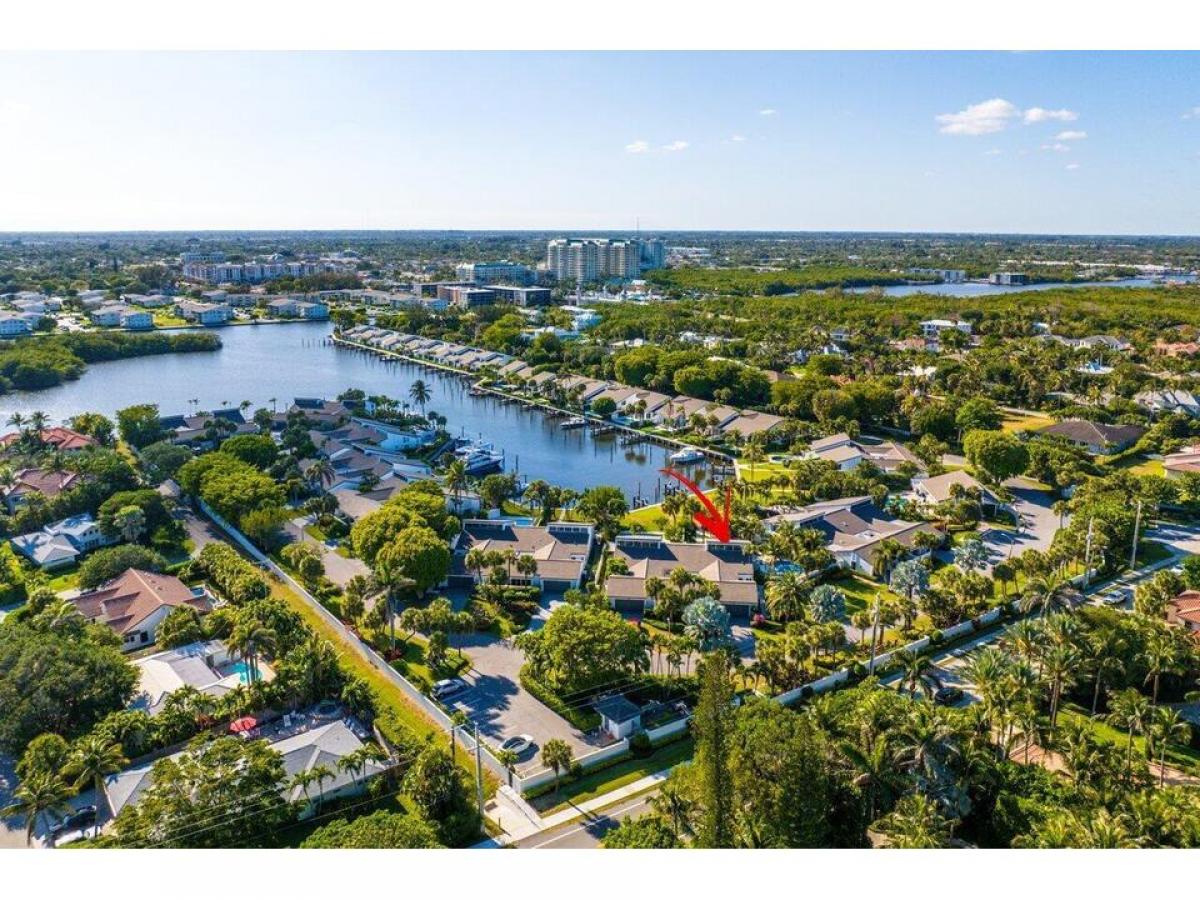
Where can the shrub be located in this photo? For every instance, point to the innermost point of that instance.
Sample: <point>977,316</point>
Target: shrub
<point>640,746</point>
<point>110,562</point>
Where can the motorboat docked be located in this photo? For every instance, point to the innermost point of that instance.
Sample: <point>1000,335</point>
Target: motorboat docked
<point>479,458</point>
<point>687,455</point>
<point>573,422</point>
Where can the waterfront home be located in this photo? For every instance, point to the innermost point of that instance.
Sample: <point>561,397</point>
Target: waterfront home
<point>950,486</point>
<point>150,301</point>
<point>322,413</point>
<point>206,666</point>
<point>322,736</point>
<point>92,298</point>
<point>62,439</point>
<point>204,313</point>
<point>38,481</point>
<point>1097,438</point>
<point>854,529</point>
<point>846,453</point>
<point>640,406</point>
<point>727,565</point>
<point>581,388</point>
<point>1169,400</point>
<point>516,368</point>
<point>206,429</point>
<point>119,315</point>
<point>560,549</point>
<point>751,423</point>
<point>289,307</point>
<point>354,504</point>
<point>61,543</point>
<point>135,603</point>
<point>682,410</point>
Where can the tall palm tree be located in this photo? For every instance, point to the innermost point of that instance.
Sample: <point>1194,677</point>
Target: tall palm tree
<point>916,671</point>
<point>457,477</point>
<point>557,755</point>
<point>1131,711</point>
<point>1166,727</point>
<point>787,596</point>
<point>322,773</point>
<point>1061,665</point>
<point>1049,593</point>
<point>1160,656</point>
<point>876,769</point>
<point>321,473</point>
<point>248,640</point>
<point>94,759</point>
<point>420,394</point>
<point>38,795</point>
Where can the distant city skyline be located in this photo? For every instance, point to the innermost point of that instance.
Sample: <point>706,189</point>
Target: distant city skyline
<point>1038,143</point>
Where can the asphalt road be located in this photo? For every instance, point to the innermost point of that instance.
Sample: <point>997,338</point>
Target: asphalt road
<point>585,834</point>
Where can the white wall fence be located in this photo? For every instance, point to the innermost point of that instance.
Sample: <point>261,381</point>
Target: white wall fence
<point>364,650</point>
<point>883,660</point>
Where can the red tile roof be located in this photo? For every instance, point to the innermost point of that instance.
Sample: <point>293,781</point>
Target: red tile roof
<point>133,595</point>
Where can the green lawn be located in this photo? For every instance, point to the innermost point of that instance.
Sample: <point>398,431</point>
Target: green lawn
<point>1184,758</point>
<point>615,776</point>
<point>1017,422</point>
<point>64,579</point>
<point>860,591</point>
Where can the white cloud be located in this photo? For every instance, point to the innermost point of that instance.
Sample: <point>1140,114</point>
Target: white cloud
<point>987,117</point>
<point>995,151</point>
<point>767,112</point>
<point>1072,166</point>
<point>1070,136</point>
<point>675,146</point>
<point>1036,114</point>
<point>1193,113</point>
<point>637,147</point>
<point>1057,147</point>
<point>737,138</point>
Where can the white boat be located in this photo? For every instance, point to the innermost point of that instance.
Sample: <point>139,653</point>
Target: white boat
<point>687,455</point>
<point>573,422</point>
<point>480,457</point>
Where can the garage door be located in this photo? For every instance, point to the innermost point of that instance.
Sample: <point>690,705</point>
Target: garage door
<point>630,607</point>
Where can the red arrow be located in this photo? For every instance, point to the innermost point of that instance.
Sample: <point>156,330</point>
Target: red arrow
<point>714,522</point>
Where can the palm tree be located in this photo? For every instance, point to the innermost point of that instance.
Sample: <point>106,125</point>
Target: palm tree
<point>420,394</point>
<point>1167,727</point>
<point>915,671</point>
<point>130,521</point>
<point>248,640</point>
<point>889,553</point>
<point>1161,656</point>
<point>508,759</point>
<point>303,780</point>
<point>1050,593</point>
<point>94,759</point>
<point>1060,666</point>
<point>457,478</point>
<point>322,773</point>
<point>321,472</point>
<point>1131,711</point>
<point>916,824</point>
<point>38,795</point>
<point>876,772</point>
<point>787,596</point>
<point>557,755</point>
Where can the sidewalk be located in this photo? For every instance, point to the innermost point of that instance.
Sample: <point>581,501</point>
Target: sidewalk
<point>519,825</point>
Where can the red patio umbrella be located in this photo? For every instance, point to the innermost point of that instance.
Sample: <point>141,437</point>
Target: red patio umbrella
<point>245,723</point>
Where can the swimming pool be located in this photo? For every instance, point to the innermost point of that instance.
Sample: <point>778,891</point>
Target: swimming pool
<point>240,668</point>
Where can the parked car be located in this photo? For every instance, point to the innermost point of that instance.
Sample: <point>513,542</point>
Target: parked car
<point>79,819</point>
<point>517,744</point>
<point>448,687</point>
<point>945,695</point>
<point>1118,597</point>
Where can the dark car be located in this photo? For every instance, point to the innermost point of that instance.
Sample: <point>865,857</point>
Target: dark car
<point>80,818</point>
<point>947,695</point>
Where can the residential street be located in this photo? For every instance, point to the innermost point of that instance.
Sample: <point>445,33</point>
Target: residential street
<point>586,833</point>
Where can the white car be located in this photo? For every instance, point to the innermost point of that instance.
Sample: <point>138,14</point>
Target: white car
<point>517,744</point>
<point>448,687</point>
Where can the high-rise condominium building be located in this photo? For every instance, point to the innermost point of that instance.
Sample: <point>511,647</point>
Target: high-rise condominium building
<point>589,259</point>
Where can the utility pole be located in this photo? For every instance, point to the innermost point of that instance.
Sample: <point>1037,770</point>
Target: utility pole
<point>1137,522</point>
<point>874,636</point>
<point>1087,555</point>
<point>478,772</point>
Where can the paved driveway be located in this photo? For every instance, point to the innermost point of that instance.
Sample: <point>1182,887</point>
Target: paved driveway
<point>338,569</point>
<point>1039,523</point>
<point>502,708</point>
<point>199,529</point>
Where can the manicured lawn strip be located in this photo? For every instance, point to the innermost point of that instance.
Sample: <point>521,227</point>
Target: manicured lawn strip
<point>615,776</point>
<point>860,592</point>
<point>1184,758</point>
<point>1015,422</point>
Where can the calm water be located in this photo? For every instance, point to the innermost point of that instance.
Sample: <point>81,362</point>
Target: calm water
<point>258,363</point>
<point>972,289</point>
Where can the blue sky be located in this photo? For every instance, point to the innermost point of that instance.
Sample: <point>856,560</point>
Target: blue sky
<point>1037,142</point>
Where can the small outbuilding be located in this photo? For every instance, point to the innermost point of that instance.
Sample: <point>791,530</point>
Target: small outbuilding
<point>619,717</point>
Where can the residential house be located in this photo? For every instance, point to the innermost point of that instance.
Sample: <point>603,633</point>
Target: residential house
<point>204,313</point>
<point>1096,438</point>
<point>206,666</point>
<point>120,315</point>
<point>207,429</point>
<point>1184,610</point>
<point>1169,400</point>
<point>61,543</point>
<point>727,565</point>
<point>31,481</point>
<point>751,423</point>
<point>681,410</point>
<point>855,528</point>
<point>950,485</point>
<point>135,603</point>
<point>304,740</point>
<point>14,325</point>
<point>561,550</point>
<point>932,328</point>
<point>62,439</point>
<point>846,453</point>
<point>1184,461</point>
<point>290,307</point>
<point>322,413</point>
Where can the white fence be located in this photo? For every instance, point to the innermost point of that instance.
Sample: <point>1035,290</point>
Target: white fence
<point>364,650</point>
<point>883,660</point>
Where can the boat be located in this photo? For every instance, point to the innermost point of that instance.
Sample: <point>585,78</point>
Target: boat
<point>573,422</point>
<point>687,455</point>
<point>479,458</point>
